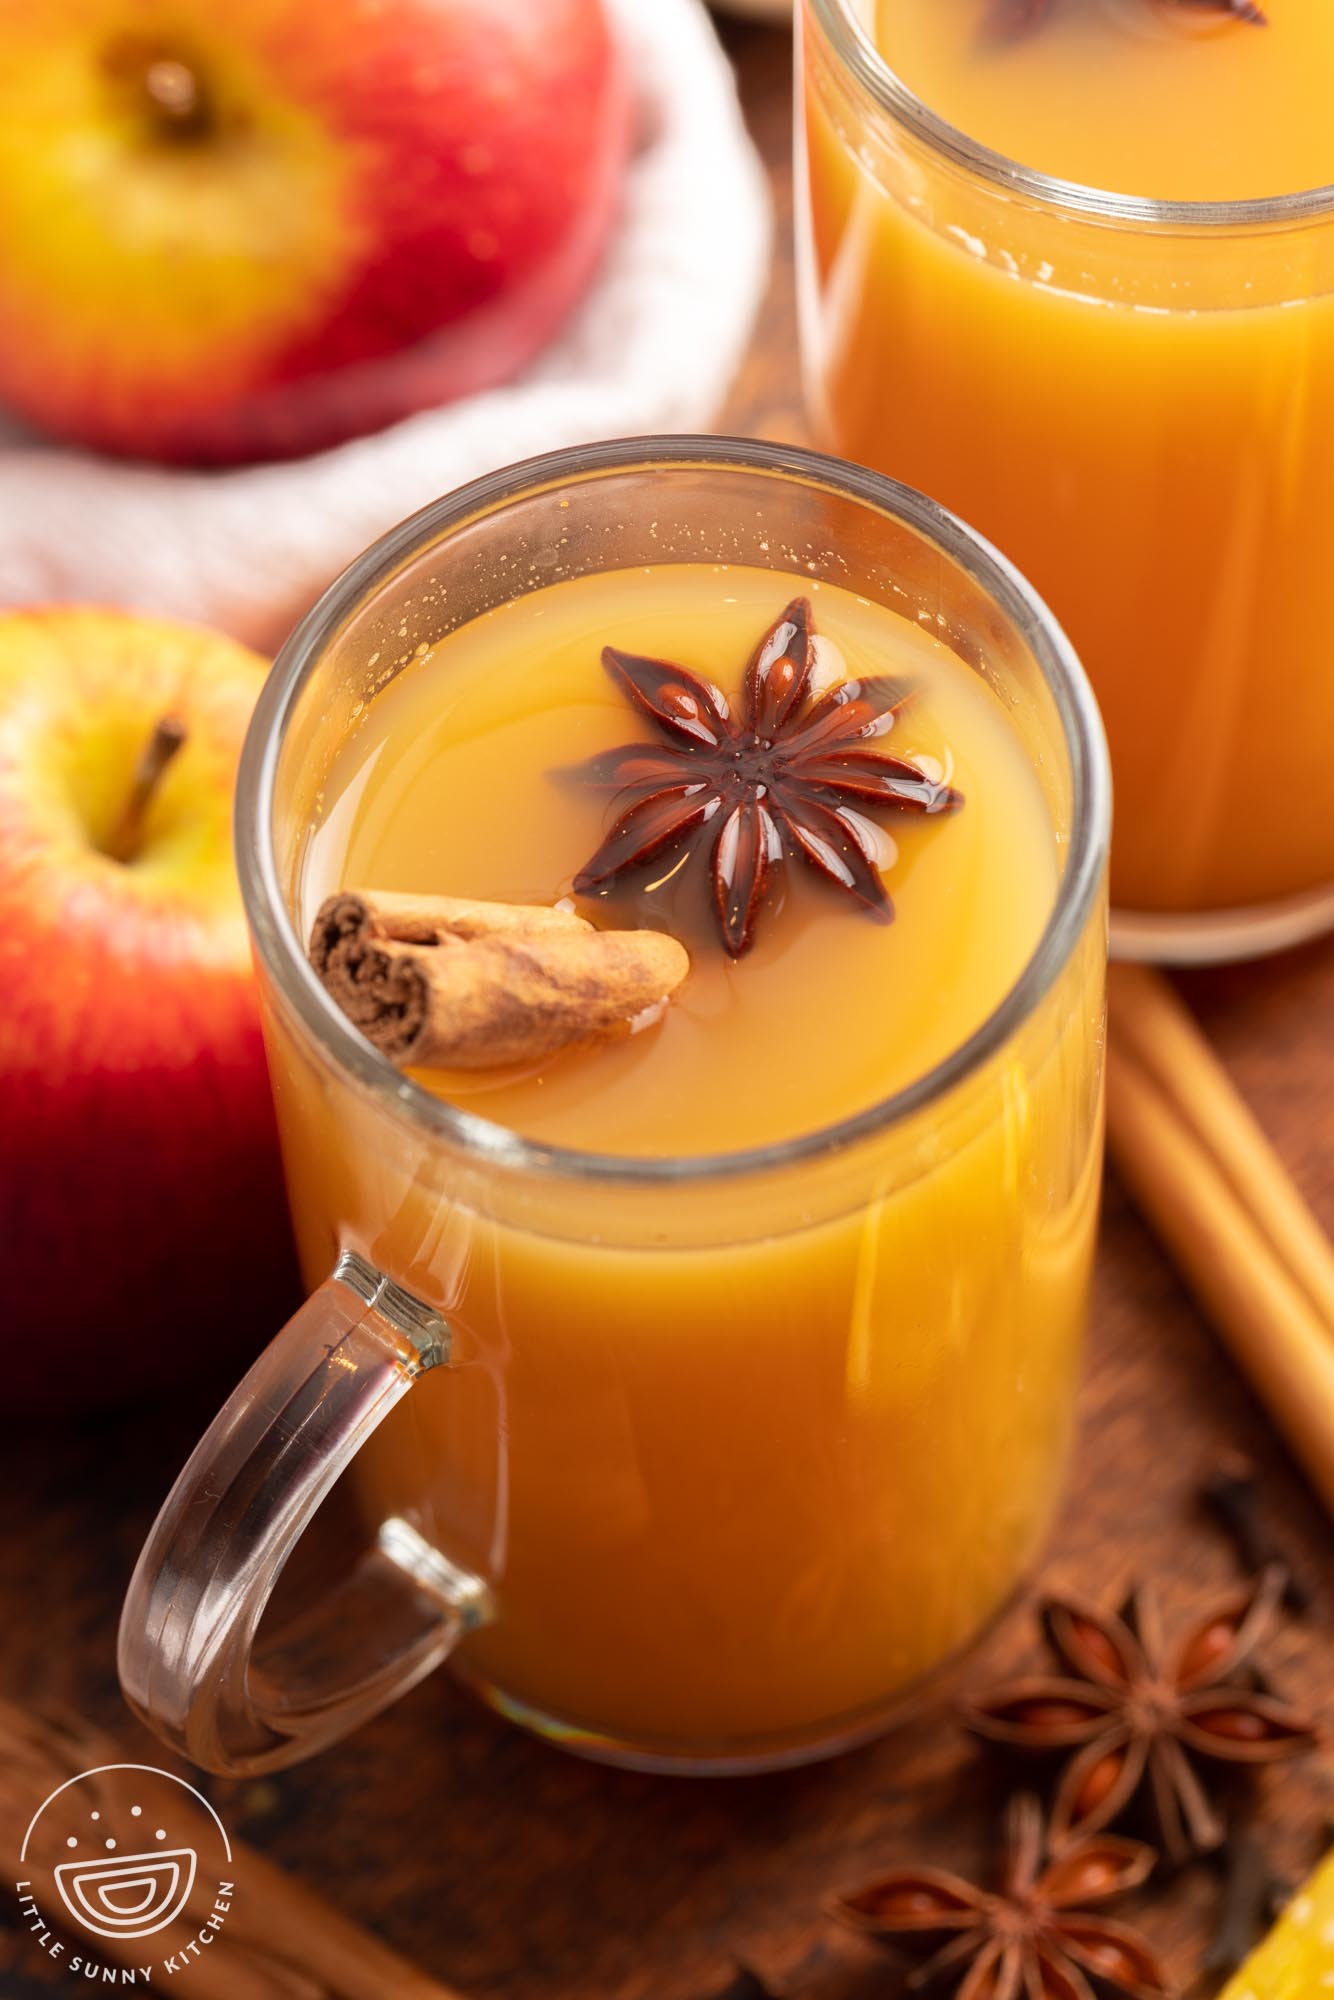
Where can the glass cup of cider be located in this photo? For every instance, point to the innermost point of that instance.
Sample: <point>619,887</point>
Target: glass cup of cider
<point>703,1384</point>
<point>1068,265</point>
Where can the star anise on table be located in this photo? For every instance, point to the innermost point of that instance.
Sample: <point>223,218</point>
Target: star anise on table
<point>789,772</point>
<point>1134,1714</point>
<point>1011,20</point>
<point>1035,1938</point>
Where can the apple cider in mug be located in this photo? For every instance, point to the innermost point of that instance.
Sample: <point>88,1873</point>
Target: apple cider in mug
<point>739,1474</point>
<point>1068,266</point>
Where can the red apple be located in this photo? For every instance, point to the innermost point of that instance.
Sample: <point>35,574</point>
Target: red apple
<point>253,230</point>
<point>142,1215</point>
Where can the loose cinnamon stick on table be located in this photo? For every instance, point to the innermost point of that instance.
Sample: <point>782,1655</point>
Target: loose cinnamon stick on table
<point>445,982</point>
<point>279,1940</point>
<point>1224,1205</point>
<point>1153,1025</point>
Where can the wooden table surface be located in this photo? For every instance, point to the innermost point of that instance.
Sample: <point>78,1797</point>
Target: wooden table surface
<point>510,1869</point>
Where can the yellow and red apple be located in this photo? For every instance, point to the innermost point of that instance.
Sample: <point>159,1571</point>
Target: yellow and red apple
<point>253,230</point>
<point>141,1207</point>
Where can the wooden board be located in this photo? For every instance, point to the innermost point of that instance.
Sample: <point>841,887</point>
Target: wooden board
<point>512,1870</point>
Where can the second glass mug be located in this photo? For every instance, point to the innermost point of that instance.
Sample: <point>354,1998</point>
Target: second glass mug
<point>695,1464</point>
<point>1135,398</point>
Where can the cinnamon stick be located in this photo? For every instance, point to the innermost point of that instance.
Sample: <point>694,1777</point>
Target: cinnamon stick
<point>279,1941</point>
<point>1223,1204</point>
<point>1149,1018</point>
<point>440,982</point>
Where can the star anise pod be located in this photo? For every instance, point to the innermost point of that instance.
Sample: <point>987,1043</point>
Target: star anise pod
<point>1036,1938</point>
<point>787,773</point>
<point>1011,20</point>
<point>1136,1714</point>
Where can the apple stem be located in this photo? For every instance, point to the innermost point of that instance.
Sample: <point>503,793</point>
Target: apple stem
<point>169,734</point>
<point>176,98</point>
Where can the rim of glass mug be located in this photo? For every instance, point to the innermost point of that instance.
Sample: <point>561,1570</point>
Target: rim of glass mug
<point>864,62</point>
<point>284,957</point>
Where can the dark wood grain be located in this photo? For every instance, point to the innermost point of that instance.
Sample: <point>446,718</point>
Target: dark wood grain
<point>512,1870</point>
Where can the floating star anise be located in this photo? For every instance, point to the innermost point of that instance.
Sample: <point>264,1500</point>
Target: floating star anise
<point>1136,1713</point>
<point>788,773</point>
<point>1011,20</point>
<point>1035,1939</point>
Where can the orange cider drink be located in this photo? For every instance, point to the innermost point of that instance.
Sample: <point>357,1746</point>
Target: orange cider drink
<point>754,1323</point>
<point>1068,265</point>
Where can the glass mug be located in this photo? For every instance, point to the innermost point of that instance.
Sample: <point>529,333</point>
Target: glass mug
<point>1135,399</point>
<point>688,1463</point>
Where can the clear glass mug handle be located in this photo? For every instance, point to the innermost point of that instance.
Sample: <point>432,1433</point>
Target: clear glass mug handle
<point>229,1524</point>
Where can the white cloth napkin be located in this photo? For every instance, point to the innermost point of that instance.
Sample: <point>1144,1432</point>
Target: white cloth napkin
<point>651,348</point>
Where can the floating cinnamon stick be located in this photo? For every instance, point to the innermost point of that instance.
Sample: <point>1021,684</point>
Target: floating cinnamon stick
<point>449,983</point>
<point>279,1941</point>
